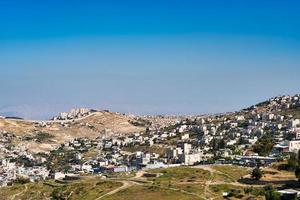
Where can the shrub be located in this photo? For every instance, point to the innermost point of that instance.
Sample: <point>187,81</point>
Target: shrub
<point>256,173</point>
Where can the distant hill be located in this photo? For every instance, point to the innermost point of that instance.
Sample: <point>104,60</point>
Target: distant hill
<point>11,117</point>
<point>92,125</point>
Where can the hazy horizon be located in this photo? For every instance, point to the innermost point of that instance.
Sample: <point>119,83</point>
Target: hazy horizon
<point>158,57</point>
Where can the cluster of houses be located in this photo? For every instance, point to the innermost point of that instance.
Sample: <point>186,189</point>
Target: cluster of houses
<point>73,114</point>
<point>190,140</point>
<point>10,170</point>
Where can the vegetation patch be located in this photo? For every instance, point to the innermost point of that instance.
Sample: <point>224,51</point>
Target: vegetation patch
<point>181,175</point>
<point>232,172</point>
<point>43,137</point>
<point>89,189</point>
<point>150,193</point>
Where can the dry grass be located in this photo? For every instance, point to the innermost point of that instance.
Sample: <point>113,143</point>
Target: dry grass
<point>271,174</point>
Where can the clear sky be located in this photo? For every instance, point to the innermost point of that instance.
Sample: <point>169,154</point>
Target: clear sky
<point>146,57</point>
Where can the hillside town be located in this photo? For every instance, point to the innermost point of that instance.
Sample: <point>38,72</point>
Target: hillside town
<point>264,133</point>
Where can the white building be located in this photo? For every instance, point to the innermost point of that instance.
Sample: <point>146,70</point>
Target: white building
<point>120,169</point>
<point>58,175</point>
<point>294,146</point>
<point>182,128</point>
<point>173,152</point>
<point>190,159</point>
<point>294,123</point>
<point>185,136</point>
<point>187,148</point>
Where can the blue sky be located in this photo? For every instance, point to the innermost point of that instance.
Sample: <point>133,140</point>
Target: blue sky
<point>146,57</point>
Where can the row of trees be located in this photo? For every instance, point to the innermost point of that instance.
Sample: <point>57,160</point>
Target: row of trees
<point>264,145</point>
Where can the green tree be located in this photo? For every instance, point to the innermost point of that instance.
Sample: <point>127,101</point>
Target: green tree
<point>271,193</point>
<point>256,173</point>
<point>298,158</point>
<point>297,173</point>
<point>264,145</point>
<point>293,162</point>
<point>297,170</point>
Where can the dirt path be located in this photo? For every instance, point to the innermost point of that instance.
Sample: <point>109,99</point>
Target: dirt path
<point>208,194</point>
<point>126,184</point>
<point>206,167</point>
<point>211,182</point>
<point>139,174</point>
<point>211,170</point>
<point>18,194</point>
<point>138,179</point>
<point>143,181</point>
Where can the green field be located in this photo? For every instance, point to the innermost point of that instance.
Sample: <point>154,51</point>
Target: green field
<point>181,175</point>
<point>184,183</point>
<point>149,193</point>
<point>233,173</point>
<point>86,189</point>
